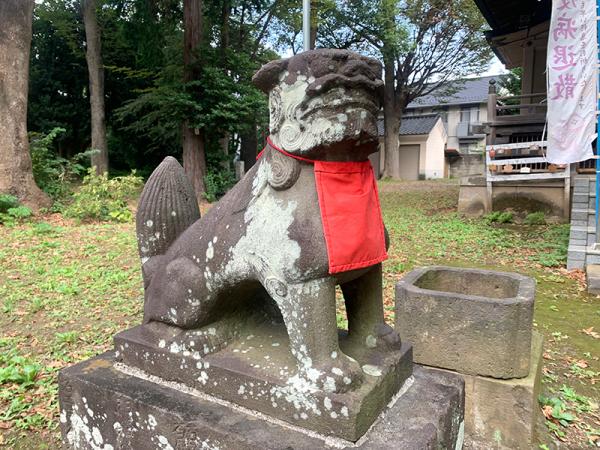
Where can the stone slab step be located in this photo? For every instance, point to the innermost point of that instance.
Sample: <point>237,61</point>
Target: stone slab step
<point>582,214</point>
<point>576,257</point>
<point>100,403</point>
<point>581,232</point>
<point>593,254</point>
<point>579,223</point>
<point>591,240</point>
<point>575,264</point>
<point>592,274</point>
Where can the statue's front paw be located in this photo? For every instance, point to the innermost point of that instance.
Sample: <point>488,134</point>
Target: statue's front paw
<point>340,373</point>
<point>381,336</point>
<point>386,336</point>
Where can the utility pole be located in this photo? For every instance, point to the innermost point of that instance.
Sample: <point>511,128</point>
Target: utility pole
<point>306,24</point>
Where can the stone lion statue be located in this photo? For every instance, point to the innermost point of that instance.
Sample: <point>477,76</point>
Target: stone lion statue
<point>263,245</point>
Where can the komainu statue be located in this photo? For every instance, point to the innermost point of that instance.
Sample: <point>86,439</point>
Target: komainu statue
<point>242,301</point>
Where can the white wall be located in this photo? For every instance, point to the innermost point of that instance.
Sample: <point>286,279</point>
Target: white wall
<point>435,160</point>
<point>453,113</point>
<point>453,120</point>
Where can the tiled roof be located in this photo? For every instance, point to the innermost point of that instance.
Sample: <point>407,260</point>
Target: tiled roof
<point>413,125</point>
<point>471,90</point>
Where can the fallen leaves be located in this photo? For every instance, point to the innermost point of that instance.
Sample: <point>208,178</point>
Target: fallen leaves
<point>590,332</point>
<point>582,363</point>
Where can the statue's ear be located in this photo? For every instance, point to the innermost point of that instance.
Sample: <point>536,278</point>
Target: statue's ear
<point>284,170</point>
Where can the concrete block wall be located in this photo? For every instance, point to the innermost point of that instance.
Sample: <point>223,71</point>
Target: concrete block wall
<point>583,224</point>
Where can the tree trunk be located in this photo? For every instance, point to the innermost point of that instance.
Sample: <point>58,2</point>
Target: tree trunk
<point>225,13</point>
<point>93,55</point>
<point>194,145</point>
<point>248,147</point>
<point>392,114</point>
<point>314,22</point>
<point>16,176</point>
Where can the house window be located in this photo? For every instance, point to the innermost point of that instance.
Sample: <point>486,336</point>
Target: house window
<point>465,115</point>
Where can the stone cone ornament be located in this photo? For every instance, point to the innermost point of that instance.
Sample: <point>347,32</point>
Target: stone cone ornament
<point>167,207</point>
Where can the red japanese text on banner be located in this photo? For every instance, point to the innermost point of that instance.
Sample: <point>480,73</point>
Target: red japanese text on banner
<point>572,81</point>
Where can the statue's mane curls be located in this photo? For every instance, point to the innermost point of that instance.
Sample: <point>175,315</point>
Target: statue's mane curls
<point>268,75</point>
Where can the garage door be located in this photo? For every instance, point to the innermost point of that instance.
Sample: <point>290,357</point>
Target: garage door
<point>409,162</point>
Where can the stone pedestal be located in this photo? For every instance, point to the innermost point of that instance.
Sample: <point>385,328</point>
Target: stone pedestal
<point>478,324</point>
<point>503,413</point>
<point>108,406</point>
<point>256,370</point>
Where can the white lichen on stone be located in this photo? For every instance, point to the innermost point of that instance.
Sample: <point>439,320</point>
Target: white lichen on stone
<point>81,436</point>
<point>163,443</point>
<point>372,370</point>
<point>210,251</point>
<point>371,341</point>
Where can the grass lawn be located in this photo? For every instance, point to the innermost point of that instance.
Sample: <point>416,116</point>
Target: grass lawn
<point>65,289</point>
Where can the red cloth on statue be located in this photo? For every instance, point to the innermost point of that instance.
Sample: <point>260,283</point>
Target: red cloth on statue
<point>350,212</point>
<point>351,215</point>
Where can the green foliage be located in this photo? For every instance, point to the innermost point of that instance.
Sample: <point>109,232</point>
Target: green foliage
<point>415,37</point>
<point>218,102</point>
<point>52,173</point>
<point>67,338</point>
<point>559,410</point>
<point>11,211</point>
<point>510,84</point>
<point>581,402</point>
<point>58,78</point>
<point>217,184</point>
<point>19,213</point>
<point>17,369</point>
<point>45,229</point>
<point>7,202</point>
<point>342,321</point>
<point>499,217</point>
<point>552,247</point>
<point>104,199</point>
<point>535,218</point>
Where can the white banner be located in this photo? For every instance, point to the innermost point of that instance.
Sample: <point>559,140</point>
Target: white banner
<point>572,81</point>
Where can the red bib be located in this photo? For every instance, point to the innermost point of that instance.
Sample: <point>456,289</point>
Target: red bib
<point>351,215</point>
<point>350,212</point>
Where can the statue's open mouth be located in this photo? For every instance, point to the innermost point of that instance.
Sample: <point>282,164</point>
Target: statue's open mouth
<point>340,105</point>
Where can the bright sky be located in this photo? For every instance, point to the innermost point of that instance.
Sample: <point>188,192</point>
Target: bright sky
<point>496,68</point>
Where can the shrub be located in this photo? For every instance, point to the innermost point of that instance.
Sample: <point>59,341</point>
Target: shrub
<point>535,218</point>
<point>499,217</point>
<point>54,174</point>
<point>11,211</point>
<point>6,202</point>
<point>101,198</point>
<point>218,183</point>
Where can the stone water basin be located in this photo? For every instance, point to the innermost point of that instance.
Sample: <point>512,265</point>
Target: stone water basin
<point>471,321</point>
